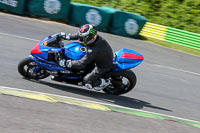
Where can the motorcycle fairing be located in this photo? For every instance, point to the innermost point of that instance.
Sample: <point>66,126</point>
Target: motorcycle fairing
<point>74,51</point>
<point>42,51</point>
<point>36,49</point>
<point>126,59</point>
<point>50,65</point>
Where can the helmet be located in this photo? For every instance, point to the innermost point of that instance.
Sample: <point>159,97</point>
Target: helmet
<point>87,34</point>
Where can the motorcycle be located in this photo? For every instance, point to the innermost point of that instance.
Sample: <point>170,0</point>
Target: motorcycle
<point>43,62</point>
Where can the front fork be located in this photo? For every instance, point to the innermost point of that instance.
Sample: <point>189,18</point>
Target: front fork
<point>36,68</point>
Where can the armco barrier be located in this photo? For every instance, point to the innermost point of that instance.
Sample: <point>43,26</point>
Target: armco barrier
<point>127,24</point>
<point>55,9</point>
<point>82,14</point>
<point>14,6</point>
<point>172,35</point>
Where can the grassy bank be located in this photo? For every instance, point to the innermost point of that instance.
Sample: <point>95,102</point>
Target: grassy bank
<point>175,46</point>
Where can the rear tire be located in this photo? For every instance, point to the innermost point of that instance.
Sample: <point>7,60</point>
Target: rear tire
<point>118,87</point>
<point>26,66</point>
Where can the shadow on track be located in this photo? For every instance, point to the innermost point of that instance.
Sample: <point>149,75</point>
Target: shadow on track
<point>113,99</point>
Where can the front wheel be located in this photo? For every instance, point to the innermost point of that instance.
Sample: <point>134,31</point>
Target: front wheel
<point>121,82</point>
<point>26,68</point>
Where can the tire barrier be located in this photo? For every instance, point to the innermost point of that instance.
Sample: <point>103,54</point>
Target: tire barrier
<point>172,35</point>
<point>127,24</point>
<point>14,6</point>
<point>104,18</point>
<point>54,9</point>
<point>83,14</point>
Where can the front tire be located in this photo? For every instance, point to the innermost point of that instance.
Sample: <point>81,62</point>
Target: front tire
<point>26,67</point>
<point>118,86</point>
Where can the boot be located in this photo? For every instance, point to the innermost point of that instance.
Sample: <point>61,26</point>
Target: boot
<point>104,84</point>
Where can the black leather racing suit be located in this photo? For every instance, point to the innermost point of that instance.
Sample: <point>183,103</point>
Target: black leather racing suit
<point>100,53</point>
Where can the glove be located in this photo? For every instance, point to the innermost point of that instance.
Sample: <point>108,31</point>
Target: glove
<point>65,36</point>
<point>68,63</point>
<point>62,34</point>
<point>65,63</point>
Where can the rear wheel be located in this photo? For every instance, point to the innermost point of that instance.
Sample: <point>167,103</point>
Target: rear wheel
<point>26,68</point>
<point>121,82</point>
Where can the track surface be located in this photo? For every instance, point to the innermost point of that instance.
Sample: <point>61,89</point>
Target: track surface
<point>168,83</point>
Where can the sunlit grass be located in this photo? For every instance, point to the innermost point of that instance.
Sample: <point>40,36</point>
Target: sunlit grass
<point>175,46</point>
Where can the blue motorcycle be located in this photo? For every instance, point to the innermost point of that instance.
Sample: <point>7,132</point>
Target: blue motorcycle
<point>42,62</point>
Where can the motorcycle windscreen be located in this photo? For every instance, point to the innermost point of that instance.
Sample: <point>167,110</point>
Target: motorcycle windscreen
<point>126,58</point>
<point>74,51</point>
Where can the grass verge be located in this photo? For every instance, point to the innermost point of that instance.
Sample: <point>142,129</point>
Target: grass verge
<point>174,46</point>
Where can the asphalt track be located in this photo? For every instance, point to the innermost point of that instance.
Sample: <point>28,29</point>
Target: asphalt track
<point>168,83</point>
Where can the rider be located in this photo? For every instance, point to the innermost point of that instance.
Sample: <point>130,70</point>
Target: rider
<point>98,52</point>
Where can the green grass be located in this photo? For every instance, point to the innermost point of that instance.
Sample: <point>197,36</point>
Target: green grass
<point>174,46</point>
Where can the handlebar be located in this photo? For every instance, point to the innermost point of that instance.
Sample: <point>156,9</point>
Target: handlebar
<point>55,41</point>
<point>59,39</point>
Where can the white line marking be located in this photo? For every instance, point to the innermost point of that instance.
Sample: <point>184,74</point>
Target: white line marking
<point>177,69</point>
<point>98,103</point>
<point>19,37</point>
